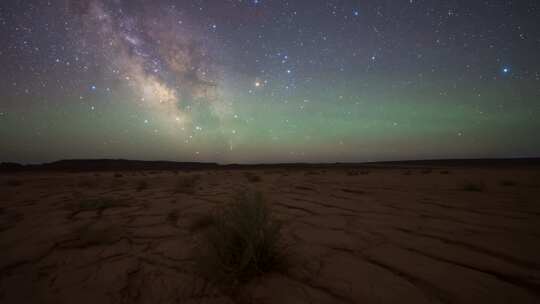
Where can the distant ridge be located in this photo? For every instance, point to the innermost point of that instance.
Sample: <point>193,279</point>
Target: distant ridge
<point>477,162</point>
<point>76,165</point>
<point>107,165</point>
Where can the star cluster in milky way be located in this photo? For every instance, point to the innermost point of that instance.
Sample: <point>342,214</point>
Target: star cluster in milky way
<point>160,61</point>
<point>267,81</point>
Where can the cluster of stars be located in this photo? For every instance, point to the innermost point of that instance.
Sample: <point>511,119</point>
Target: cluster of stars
<point>205,78</point>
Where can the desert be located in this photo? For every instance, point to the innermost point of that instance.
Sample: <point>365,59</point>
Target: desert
<point>390,233</point>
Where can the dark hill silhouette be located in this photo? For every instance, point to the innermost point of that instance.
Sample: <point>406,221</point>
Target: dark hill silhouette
<point>107,165</point>
<point>127,165</point>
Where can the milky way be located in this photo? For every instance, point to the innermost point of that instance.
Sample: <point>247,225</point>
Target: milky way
<point>166,65</point>
<point>269,81</point>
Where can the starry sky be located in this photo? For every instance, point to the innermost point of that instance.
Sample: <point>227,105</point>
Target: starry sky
<point>252,81</point>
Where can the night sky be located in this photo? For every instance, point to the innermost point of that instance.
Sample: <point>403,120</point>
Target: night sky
<point>268,80</point>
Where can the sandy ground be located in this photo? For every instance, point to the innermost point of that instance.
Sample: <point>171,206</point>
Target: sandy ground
<point>386,235</point>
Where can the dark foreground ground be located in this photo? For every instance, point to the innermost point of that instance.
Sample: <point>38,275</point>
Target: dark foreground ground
<point>372,235</point>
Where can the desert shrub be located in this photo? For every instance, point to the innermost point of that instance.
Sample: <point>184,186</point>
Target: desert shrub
<point>243,242</point>
<point>312,172</point>
<point>508,183</point>
<point>364,172</point>
<point>407,172</point>
<point>445,172</point>
<point>13,183</point>
<point>252,177</point>
<point>142,185</point>
<point>187,184</point>
<point>118,175</point>
<point>473,187</point>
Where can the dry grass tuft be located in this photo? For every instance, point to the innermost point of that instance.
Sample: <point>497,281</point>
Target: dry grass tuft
<point>243,242</point>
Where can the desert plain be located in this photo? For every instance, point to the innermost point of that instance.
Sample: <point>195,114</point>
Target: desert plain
<point>374,234</point>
